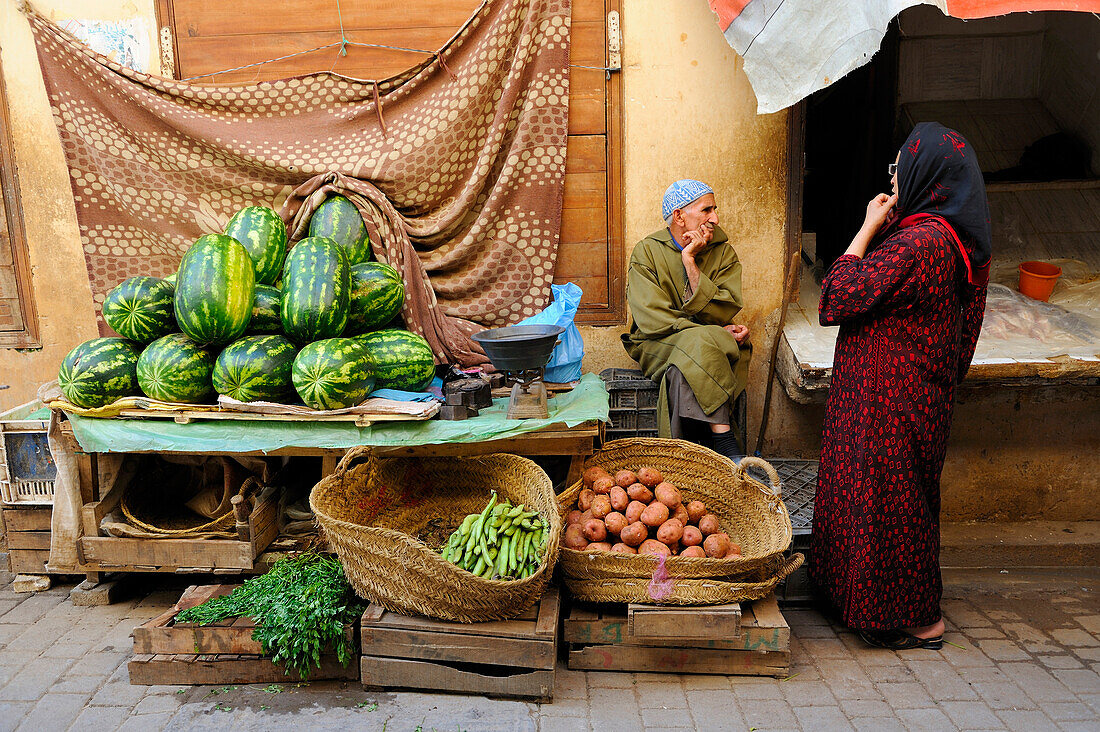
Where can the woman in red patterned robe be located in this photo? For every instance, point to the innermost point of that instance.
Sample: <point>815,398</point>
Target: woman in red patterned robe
<point>908,295</point>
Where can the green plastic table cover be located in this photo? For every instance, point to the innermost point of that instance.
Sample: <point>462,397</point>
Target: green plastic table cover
<point>587,401</point>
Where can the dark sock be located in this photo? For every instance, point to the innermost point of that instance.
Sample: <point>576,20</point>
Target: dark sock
<point>725,443</point>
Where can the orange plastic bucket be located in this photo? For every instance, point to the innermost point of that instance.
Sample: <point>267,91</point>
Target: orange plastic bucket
<point>1037,279</point>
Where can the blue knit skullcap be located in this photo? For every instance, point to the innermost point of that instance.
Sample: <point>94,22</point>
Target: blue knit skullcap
<point>682,193</point>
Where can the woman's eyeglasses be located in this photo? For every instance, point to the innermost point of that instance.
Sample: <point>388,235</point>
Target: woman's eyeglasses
<point>892,168</point>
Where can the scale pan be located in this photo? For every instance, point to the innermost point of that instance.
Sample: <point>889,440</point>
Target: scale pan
<point>519,347</point>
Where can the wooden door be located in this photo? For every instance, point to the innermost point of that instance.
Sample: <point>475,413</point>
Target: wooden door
<point>204,37</point>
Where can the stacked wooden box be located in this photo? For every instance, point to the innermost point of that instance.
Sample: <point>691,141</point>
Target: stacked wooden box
<point>506,658</point>
<point>167,652</point>
<point>27,535</point>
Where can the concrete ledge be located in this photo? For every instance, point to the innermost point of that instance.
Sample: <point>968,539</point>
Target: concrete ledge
<point>1021,544</point>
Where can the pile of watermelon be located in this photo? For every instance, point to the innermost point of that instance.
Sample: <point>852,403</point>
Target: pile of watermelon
<point>246,318</point>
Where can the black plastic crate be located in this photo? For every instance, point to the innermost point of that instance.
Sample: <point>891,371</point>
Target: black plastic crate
<point>799,479</point>
<point>629,388</point>
<point>633,399</point>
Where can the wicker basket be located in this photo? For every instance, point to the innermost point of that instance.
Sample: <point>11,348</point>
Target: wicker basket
<point>752,514</point>
<point>387,518</point>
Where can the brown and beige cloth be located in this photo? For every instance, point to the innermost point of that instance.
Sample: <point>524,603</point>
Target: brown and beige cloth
<point>457,164</point>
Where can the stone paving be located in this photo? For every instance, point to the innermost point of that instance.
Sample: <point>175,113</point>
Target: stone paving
<point>1024,654</point>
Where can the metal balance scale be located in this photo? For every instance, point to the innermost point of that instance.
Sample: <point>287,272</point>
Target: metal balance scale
<point>521,353</point>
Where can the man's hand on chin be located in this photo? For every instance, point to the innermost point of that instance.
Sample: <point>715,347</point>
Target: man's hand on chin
<point>739,332</point>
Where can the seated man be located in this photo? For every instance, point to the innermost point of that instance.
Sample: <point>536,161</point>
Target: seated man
<point>684,289</point>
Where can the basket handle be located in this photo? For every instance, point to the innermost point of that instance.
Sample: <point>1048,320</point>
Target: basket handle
<point>351,456</point>
<point>773,474</point>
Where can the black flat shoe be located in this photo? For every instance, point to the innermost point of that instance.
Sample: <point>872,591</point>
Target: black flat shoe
<point>899,640</point>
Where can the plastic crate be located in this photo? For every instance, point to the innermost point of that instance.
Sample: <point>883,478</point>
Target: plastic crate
<point>633,403</point>
<point>27,470</point>
<point>799,479</point>
<point>629,388</point>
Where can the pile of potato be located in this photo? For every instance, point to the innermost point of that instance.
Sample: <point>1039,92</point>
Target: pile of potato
<point>641,513</point>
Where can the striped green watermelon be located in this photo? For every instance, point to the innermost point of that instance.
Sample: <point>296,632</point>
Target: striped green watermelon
<point>141,309</point>
<point>316,290</point>
<point>338,219</point>
<point>176,369</point>
<point>171,279</point>
<point>377,294</point>
<point>333,374</point>
<point>402,360</point>
<point>215,290</point>
<point>263,234</point>
<point>256,369</point>
<point>99,371</point>
<point>265,311</point>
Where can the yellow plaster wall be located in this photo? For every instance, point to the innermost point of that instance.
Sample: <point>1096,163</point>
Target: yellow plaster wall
<point>689,112</point>
<point>58,273</point>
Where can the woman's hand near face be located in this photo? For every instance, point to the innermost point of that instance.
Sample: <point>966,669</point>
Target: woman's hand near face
<point>878,211</point>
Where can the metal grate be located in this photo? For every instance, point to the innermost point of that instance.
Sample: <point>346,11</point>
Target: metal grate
<point>799,478</point>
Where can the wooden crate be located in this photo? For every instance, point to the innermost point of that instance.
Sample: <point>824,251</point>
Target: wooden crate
<point>166,652</point>
<point>600,639</point>
<point>507,658</point>
<point>27,535</point>
<point>256,529</point>
<point>27,469</point>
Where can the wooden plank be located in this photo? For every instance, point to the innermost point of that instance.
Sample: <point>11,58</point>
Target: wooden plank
<point>397,673</point>
<point>549,611</point>
<point>611,627</point>
<point>582,257</point>
<point>584,235</point>
<point>594,289</point>
<point>103,552</point>
<point>263,524</point>
<point>586,154</point>
<point>28,561</point>
<point>497,629</point>
<point>680,660</point>
<point>718,622</point>
<point>585,190</point>
<point>27,519</point>
<point>188,669</point>
<point>459,648</point>
<point>28,540</point>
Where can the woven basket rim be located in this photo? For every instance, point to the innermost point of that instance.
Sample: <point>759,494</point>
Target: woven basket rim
<point>427,552</point>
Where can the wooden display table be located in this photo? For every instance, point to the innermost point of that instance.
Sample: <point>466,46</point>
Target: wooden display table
<point>258,527</point>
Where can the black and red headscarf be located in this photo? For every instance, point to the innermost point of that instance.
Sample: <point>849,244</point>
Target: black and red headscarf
<point>938,175</point>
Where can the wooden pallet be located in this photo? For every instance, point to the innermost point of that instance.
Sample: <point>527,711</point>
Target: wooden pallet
<point>27,534</point>
<point>167,652</point>
<point>507,658</point>
<point>701,642</point>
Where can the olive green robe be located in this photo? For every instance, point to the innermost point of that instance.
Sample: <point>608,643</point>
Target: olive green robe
<point>668,329</point>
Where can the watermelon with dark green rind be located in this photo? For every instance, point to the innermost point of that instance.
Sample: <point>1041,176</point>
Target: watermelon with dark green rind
<point>256,369</point>
<point>99,371</point>
<point>377,294</point>
<point>333,374</point>
<point>402,360</point>
<point>316,291</point>
<point>263,234</point>
<point>176,369</point>
<point>338,219</point>
<point>265,311</point>
<point>141,309</point>
<point>215,290</point>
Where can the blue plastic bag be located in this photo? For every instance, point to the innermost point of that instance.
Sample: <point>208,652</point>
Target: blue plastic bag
<point>565,361</point>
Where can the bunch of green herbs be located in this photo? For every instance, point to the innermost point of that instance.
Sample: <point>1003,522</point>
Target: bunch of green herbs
<point>300,607</point>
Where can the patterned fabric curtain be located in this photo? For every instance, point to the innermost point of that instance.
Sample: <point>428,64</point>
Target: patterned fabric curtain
<point>457,165</point>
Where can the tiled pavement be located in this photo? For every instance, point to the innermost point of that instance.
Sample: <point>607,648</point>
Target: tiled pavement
<point>1024,655</point>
